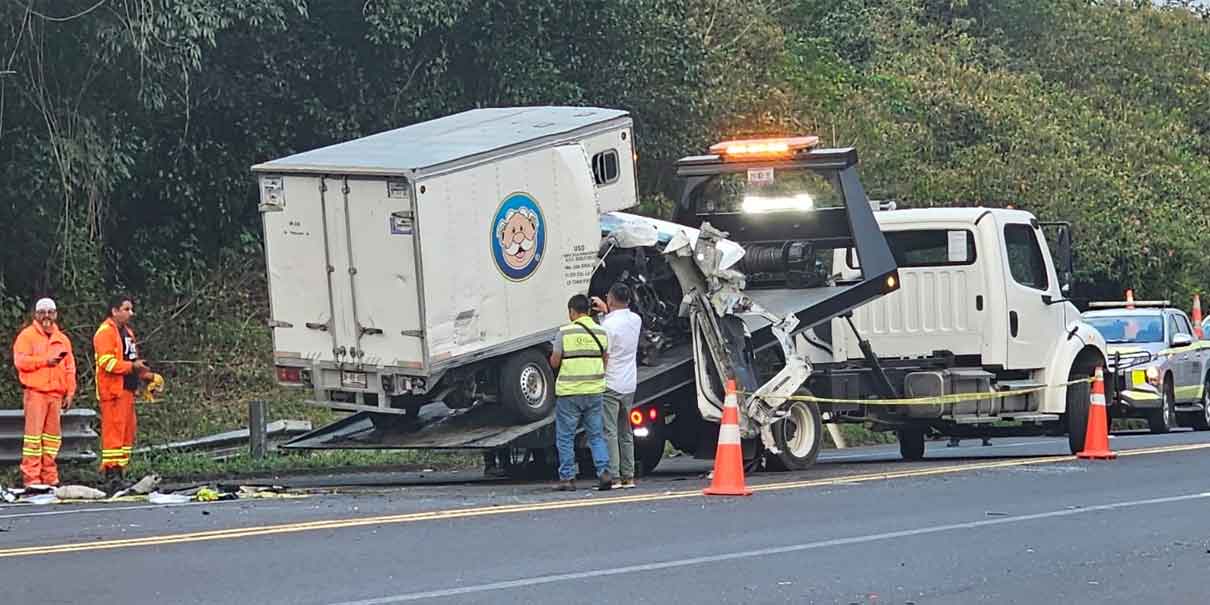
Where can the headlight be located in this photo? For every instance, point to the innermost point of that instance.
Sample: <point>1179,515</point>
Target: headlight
<point>1153,375</point>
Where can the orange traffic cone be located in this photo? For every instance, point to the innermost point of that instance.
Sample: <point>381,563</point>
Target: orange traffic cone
<point>1197,315</point>
<point>1096,437</point>
<point>1129,298</point>
<point>728,477</point>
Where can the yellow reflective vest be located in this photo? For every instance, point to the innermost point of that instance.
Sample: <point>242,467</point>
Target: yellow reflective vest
<point>582,371</point>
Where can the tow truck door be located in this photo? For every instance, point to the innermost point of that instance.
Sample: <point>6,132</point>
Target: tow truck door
<point>1031,287</point>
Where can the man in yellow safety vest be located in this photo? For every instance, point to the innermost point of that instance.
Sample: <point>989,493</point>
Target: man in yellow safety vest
<point>580,354</point>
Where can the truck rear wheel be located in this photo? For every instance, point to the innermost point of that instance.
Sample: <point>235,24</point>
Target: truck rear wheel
<point>527,385</point>
<point>911,443</point>
<point>648,452</point>
<point>798,436</point>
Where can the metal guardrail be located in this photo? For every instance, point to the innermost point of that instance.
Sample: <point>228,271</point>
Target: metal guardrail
<point>231,443</point>
<point>79,438</point>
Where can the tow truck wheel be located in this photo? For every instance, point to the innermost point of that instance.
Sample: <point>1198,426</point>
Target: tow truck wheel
<point>1162,420</point>
<point>648,453</point>
<point>1201,420</point>
<point>1078,395</point>
<point>911,443</point>
<point>798,436</point>
<point>527,385</point>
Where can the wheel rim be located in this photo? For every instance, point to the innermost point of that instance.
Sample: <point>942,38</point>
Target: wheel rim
<point>533,386</point>
<point>1206,402</point>
<point>1167,403</point>
<point>798,431</point>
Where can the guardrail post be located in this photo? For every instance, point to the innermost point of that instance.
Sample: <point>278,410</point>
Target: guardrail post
<point>258,412</point>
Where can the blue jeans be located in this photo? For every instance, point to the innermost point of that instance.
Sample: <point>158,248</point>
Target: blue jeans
<point>570,412</point>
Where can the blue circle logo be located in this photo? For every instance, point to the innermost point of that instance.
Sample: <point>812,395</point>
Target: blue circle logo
<point>518,236</point>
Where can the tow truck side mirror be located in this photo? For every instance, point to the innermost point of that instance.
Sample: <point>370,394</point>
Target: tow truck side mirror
<point>1062,254</point>
<point>1181,340</point>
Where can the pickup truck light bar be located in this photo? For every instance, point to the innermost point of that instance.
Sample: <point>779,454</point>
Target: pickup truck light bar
<point>1126,304</point>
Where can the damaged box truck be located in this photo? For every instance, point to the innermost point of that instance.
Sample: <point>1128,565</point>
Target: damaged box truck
<point>431,262</point>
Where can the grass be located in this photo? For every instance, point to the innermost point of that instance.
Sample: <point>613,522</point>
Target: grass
<point>188,467</point>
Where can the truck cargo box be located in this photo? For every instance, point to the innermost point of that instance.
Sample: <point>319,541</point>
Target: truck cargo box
<point>399,256</point>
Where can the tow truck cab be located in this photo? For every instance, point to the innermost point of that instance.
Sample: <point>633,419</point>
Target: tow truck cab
<point>983,307</point>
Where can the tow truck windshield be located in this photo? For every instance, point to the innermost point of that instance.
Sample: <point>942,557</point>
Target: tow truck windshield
<point>1120,329</point>
<point>769,190</point>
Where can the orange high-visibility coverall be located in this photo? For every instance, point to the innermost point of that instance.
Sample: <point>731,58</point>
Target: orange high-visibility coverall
<point>115,351</point>
<point>46,387</point>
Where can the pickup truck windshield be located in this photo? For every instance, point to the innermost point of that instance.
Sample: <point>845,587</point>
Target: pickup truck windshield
<point>1129,328</point>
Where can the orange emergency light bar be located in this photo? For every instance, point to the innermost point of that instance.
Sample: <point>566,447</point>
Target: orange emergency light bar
<point>763,147</point>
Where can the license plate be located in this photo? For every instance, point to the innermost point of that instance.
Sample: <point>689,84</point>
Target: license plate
<point>353,379</point>
<point>1138,377</point>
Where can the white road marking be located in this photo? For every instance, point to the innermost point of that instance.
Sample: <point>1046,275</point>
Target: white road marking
<point>764,552</point>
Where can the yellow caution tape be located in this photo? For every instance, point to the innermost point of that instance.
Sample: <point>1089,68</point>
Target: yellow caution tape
<point>932,400</point>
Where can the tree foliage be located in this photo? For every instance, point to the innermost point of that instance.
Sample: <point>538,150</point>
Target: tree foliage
<point>127,127</point>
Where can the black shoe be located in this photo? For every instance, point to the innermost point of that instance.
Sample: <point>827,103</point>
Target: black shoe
<point>606,482</point>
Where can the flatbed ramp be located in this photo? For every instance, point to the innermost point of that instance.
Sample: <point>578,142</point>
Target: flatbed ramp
<point>483,426</point>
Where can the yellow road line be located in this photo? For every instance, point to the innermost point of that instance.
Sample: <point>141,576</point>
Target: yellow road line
<point>248,532</point>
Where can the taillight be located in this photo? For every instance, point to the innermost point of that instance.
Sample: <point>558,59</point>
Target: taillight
<point>636,418</point>
<point>653,414</point>
<point>289,374</point>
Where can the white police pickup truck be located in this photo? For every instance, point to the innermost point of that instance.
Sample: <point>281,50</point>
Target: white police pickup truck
<point>1161,368</point>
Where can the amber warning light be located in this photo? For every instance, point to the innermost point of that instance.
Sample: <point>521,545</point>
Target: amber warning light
<point>746,148</point>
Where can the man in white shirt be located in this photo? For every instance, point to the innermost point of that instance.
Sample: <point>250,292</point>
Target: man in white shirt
<point>622,326</point>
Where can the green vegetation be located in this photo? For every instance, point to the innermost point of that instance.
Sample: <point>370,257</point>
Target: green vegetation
<point>181,467</point>
<point>126,132</point>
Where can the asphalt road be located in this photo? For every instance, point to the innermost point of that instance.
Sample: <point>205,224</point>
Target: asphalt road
<point>1017,522</point>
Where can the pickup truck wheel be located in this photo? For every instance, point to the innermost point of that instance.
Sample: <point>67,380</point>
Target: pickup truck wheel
<point>911,443</point>
<point>798,436</point>
<point>1078,395</point>
<point>527,385</point>
<point>1201,420</point>
<point>1162,420</point>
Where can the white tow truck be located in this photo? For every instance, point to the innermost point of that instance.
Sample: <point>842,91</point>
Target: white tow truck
<point>981,308</point>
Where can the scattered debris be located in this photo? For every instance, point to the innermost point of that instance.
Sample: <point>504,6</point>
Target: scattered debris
<point>7,496</point>
<point>992,513</point>
<point>145,486</point>
<point>158,498</point>
<point>78,492</point>
<point>40,499</point>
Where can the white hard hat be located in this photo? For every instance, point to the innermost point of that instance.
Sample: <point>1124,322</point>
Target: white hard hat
<point>44,304</point>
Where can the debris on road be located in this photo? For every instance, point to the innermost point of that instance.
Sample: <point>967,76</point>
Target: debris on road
<point>158,498</point>
<point>79,492</point>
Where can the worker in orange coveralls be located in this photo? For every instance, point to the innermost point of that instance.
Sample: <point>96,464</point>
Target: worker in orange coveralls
<point>119,373</point>
<point>47,369</point>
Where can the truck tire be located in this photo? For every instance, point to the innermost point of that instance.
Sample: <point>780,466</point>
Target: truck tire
<point>1164,419</point>
<point>1077,411</point>
<point>798,436</point>
<point>650,453</point>
<point>911,443</point>
<point>527,385</point>
<point>1201,420</point>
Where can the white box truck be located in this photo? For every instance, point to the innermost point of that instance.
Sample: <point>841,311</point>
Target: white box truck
<point>431,262</point>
